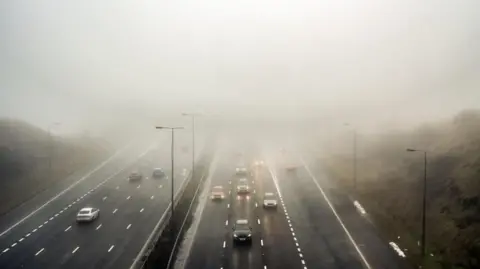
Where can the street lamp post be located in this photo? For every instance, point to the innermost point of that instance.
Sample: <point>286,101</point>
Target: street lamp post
<point>192,115</point>
<point>354,158</point>
<point>172,174</point>
<point>424,205</point>
<point>50,136</point>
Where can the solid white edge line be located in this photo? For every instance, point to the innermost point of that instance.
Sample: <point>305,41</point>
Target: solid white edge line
<point>337,216</point>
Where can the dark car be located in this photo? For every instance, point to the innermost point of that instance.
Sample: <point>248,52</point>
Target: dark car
<point>135,176</point>
<point>242,232</point>
<point>158,173</point>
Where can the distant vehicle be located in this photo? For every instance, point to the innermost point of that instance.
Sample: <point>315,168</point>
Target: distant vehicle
<point>135,176</point>
<point>258,163</point>
<point>291,168</point>
<point>217,193</point>
<point>242,186</point>
<point>88,214</point>
<point>241,171</point>
<point>269,200</point>
<point>242,232</point>
<point>158,173</point>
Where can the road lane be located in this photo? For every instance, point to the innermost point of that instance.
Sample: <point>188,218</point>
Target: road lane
<point>279,247</point>
<point>58,245</point>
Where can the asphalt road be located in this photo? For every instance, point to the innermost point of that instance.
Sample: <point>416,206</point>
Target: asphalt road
<point>51,238</point>
<point>313,226</point>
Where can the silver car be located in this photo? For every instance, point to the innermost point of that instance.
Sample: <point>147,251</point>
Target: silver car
<point>88,214</point>
<point>269,200</point>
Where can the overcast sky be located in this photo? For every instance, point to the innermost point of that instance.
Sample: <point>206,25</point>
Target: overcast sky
<point>392,59</point>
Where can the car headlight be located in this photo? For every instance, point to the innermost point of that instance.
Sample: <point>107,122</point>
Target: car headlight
<point>234,235</point>
<point>249,235</point>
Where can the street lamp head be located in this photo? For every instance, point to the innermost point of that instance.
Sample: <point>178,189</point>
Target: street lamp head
<point>411,150</point>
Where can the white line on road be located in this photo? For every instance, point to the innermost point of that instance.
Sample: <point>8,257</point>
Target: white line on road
<point>151,198</point>
<point>111,247</point>
<point>40,251</point>
<point>300,255</point>
<point>160,186</point>
<point>68,228</point>
<point>299,250</point>
<point>256,205</point>
<point>75,250</point>
<point>104,198</point>
<point>34,230</point>
<point>264,267</point>
<point>226,222</point>
<point>224,244</point>
<point>128,198</point>
<point>141,210</point>
<point>296,244</point>
<point>117,187</point>
<point>56,215</point>
<point>303,262</point>
<point>261,242</point>
<point>314,179</point>
<point>5,250</point>
<point>40,226</point>
<point>228,205</point>
<point>21,239</point>
<point>115,210</point>
<point>258,221</point>
<point>27,235</point>
<point>13,245</point>
<point>293,234</point>
<point>98,227</point>
<point>128,227</point>
<point>138,187</point>
<point>294,239</point>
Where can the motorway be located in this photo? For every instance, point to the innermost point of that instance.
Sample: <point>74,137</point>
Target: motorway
<point>313,226</point>
<point>43,232</point>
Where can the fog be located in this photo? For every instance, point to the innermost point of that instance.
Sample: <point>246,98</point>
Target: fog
<point>91,63</point>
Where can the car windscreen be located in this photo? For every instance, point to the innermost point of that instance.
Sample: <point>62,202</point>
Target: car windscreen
<point>84,211</point>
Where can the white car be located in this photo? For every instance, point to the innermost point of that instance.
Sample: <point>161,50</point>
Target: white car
<point>88,214</point>
<point>241,171</point>
<point>269,200</point>
<point>217,193</point>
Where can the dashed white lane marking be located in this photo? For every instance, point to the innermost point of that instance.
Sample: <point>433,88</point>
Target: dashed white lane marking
<point>258,221</point>
<point>300,255</point>
<point>68,228</point>
<point>34,230</point>
<point>160,186</point>
<point>47,221</point>
<point>13,245</point>
<point>40,251</point>
<point>151,198</point>
<point>294,239</point>
<point>75,250</point>
<point>293,234</point>
<point>256,205</point>
<point>21,239</point>
<point>111,247</point>
<point>40,226</point>
<point>5,250</point>
<point>129,225</point>
<point>104,198</point>
<point>254,191</point>
<point>138,187</point>
<point>229,192</point>
<point>224,244</point>
<point>128,198</point>
<point>115,210</point>
<point>56,215</point>
<point>27,235</point>
<point>303,262</point>
<point>98,227</point>
<point>296,244</point>
<point>299,250</point>
<point>141,210</point>
<point>261,242</point>
<point>264,267</point>
<point>226,222</point>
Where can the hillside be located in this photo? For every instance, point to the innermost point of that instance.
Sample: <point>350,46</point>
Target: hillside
<point>27,153</point>
<point>390,188</point>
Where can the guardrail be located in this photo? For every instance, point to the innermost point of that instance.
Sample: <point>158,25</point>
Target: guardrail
<point>159,227</point>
